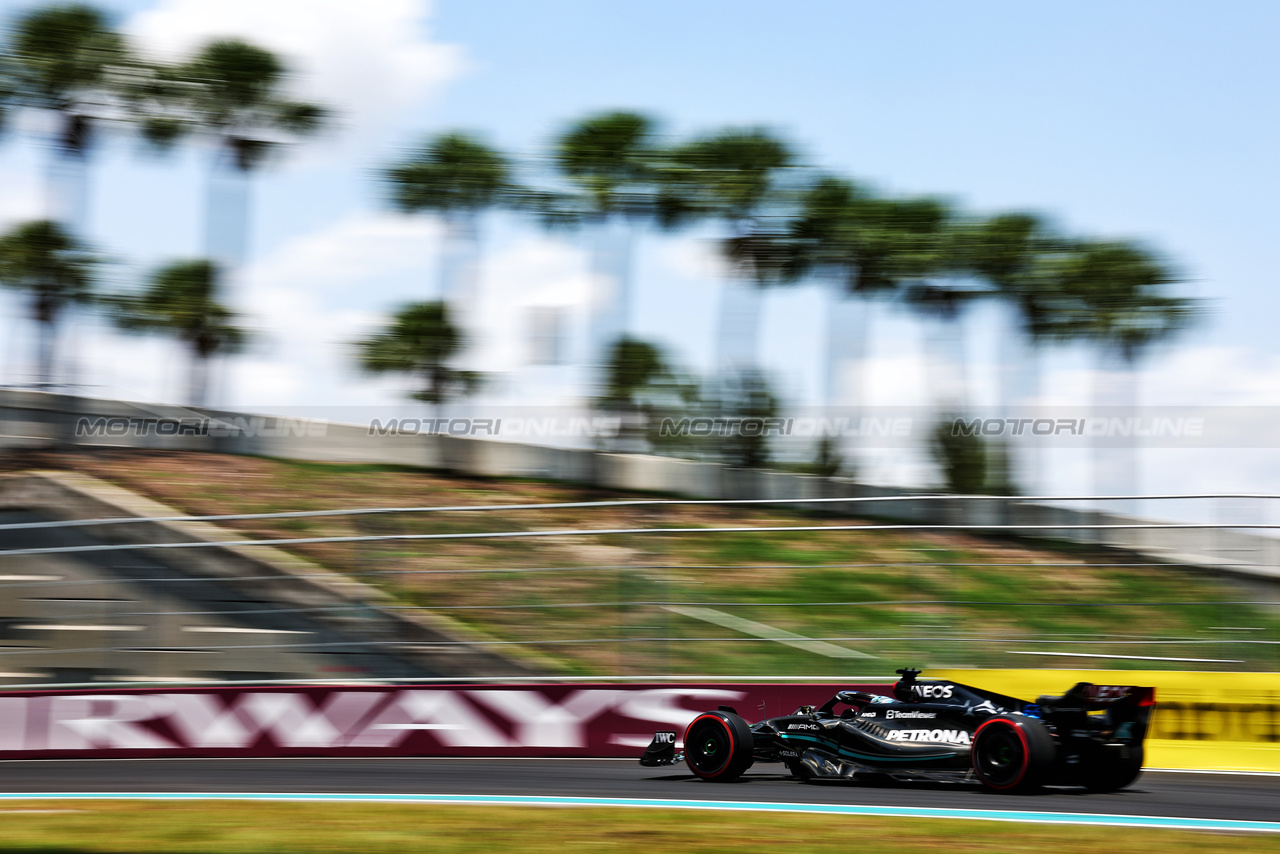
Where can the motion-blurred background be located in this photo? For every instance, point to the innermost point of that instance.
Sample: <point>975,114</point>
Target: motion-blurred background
<point>260,258</point>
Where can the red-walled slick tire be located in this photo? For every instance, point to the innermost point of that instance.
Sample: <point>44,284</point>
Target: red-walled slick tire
<point>1012,753</point>
<point>718,746</point>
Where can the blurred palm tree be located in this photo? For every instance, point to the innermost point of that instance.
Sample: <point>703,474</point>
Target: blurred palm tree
<point>8,89</point>
<point>181,301</point>
<point>633,366</point>
<point>964,460</point>
<point>1121,290</point>
<point>639,385</point>
<point>69,61</point>
<point>941,293</point>
<point>746,399</point>
<point>422,342</point>
<point>233,92</point>
<point>739,177</point>
<point>1008,252</point>
<point>56,271</point>
<point>1117,296</point>
<point>825,241</point>
<point>1119,299</point>
<point>457,177</point>
<point>1016,255</point>
<point>865,246</point>
<point>610,160</point>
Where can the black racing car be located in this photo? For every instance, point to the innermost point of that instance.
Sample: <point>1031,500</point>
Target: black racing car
<point>931,729</point>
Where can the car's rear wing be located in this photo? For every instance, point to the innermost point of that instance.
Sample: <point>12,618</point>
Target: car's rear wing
<point>1088,697</point>
<point>1102,696</point>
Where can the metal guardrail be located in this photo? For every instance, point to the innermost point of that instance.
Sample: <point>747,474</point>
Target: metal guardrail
<point>993,527</point>
<point>1023,500</point>
<point>601,532</point>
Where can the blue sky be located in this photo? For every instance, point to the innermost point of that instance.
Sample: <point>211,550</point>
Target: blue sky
<point>1150,120</point>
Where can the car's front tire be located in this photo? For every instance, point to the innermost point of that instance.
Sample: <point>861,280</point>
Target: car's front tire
<point>718,746</point>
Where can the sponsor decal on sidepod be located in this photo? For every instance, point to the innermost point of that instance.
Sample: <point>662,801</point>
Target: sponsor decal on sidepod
<point>936,736</point>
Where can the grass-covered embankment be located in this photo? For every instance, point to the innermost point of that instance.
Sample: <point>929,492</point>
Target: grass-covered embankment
<point>595,605</point>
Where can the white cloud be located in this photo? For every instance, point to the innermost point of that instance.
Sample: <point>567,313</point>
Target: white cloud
<point>533,271</point>
<point>372,61</point>
<point>693,258</point>
<point>359,248</point>
<point>300,300</point>
<point>893,380</point>
<point>1214,376</point>
<point>1208,375</point>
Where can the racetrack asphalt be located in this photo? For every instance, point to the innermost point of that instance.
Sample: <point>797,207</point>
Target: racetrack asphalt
<point>1156,793</point>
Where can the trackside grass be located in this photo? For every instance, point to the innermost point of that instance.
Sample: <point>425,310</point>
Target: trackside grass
<point>685,604</point>
<point>211,827</point>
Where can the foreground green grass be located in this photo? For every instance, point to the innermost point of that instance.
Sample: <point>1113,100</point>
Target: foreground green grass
<point>210,827</point>
<point>920,598</point>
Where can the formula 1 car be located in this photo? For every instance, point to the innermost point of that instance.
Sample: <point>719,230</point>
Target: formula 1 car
<point>930,729</point>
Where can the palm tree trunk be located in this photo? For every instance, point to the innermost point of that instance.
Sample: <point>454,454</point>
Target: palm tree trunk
<point>848,327</point>
<point>1019,389</point>
<point>198,380</point>
<point>66,196</point>
<point>611,287</point>
<point>46,339</point>
<point>946,363</point>
<point>12,355</point>
<point>738,330</point>
<point>460,284</point>
<point>226,228</point>
<point>67,185</point>
<point>460,262</point>
<point>1029,469</point>
<point>1115,464</point>
<point>67,203</point>
<point>227,203</point>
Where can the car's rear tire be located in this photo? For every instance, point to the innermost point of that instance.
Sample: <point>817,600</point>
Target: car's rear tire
<point>718,746</point>
<point>1109,772</point>
<point>1012,753</point>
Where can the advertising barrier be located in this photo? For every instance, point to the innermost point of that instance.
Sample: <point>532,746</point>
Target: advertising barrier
<point>436,720</point>
<point>1204,721</point>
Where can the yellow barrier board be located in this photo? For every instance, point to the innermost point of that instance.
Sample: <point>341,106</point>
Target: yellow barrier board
<point>1203,721</point>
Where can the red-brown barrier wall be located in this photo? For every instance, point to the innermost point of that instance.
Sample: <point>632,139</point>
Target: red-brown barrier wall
<point>436,720</point>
